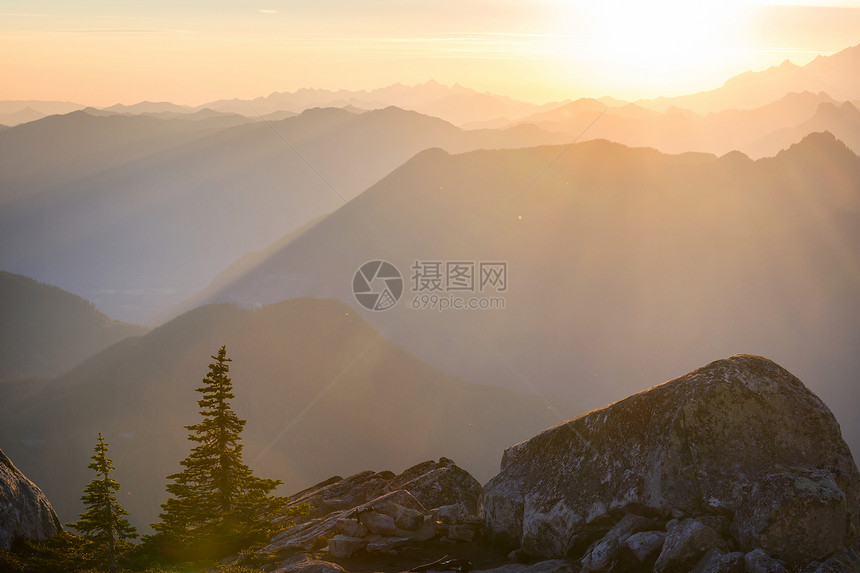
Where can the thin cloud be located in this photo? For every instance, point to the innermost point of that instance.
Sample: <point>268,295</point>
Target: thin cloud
<point>267,11</point>
<point>30,15</point>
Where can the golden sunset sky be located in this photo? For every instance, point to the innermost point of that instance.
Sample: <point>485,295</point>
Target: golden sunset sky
<point>188,51</point>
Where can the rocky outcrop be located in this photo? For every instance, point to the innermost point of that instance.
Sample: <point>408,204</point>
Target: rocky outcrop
<point>736,458</point>
<point>24,510</point>
<point>380,513</point>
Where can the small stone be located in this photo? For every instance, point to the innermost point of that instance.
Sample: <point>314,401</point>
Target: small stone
<point>342,546</point>
<point>387,544</point>
<point>460,533</point>
<point>607,551</point>
<point>351,527</point>
<point>686,543</point>
<point>719,523</point>
<point>646,545</point>
<point>757,561</point>
<point>449,514</point>
<point>427,531</point>
<point>379,523</point>
<point>408,519</point>
<point>715,561</point>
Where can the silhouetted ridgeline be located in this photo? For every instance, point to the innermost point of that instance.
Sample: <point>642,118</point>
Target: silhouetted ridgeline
<point>81,193</point>
<point>46,330</point>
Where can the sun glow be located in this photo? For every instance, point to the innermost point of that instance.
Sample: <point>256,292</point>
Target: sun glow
<point>661,43</point>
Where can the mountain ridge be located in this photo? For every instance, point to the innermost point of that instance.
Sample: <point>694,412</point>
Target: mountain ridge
<point>310,377</point>
<point>46,331</point>
<point>747,225</point>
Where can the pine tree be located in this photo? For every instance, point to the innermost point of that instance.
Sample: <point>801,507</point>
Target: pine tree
<point>216,502</point>
<point>103,522</point>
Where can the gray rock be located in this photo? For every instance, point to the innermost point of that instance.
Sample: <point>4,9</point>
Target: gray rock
<point>408,519</point>
<point>686,543</point>
<point>757,561</point>
<point>449,514</point>
<point>337,494</point>
<point>794,514</point>
<point>550,566</point>
<point>387,544</point>
<point>427,531</point>
<point>351,527</point>
<point>719,523</point>
<point>715,561</point>
<point>24,510</point>
<point>646,545</point>
<point>835,565</point>
<point>379,523</point>
<point>609,549</point>
<point>342,546</point>
<point>460,533</point>
<point>695,442</point>
<point>446,484</point>
<point>392,504</point>
<point>433,483</point>
<point>302,563</point>
<point>303,534</point>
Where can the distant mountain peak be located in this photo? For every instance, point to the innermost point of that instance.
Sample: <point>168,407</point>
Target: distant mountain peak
<point>817,143</point>
<point>787,64</point>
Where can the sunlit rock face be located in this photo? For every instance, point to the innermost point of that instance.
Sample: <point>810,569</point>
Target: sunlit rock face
<point>709,443</point>
<point>24,509</point>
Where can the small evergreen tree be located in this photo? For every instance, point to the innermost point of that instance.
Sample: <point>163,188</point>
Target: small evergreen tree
<point>103,522</point>
<point>217,505</point>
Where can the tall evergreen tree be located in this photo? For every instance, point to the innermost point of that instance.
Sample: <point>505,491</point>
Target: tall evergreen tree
<point>216,504</point>
<point>103,522</point>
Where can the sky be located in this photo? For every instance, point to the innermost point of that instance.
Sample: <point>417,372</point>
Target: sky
<point>191,52</point>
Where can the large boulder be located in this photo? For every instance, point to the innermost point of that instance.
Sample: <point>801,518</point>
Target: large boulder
<point>691,446</point>
<point>24,510</point>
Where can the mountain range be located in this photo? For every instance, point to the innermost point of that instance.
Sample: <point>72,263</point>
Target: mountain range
<point>137,213</point>
<point>834,74</point>
<point>625,264</point>
<point>759,132</point>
